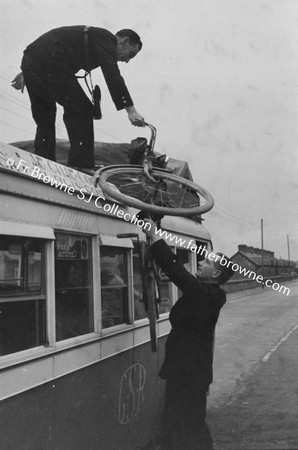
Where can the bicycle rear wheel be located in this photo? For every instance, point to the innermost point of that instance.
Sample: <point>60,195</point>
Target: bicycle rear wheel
<point>170,195</point>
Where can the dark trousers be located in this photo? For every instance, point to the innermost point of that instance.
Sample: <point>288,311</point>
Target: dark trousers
<point>51,83</point>
<point>185,427</point>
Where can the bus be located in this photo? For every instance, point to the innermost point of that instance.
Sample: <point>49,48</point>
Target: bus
<point>76,365</point>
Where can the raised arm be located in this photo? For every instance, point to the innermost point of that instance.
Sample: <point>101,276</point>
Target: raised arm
<point>167,260</point>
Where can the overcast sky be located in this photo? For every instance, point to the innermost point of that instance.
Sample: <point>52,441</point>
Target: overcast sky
<point>218,78</point>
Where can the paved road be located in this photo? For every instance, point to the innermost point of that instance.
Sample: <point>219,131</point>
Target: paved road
<point>253,400</point>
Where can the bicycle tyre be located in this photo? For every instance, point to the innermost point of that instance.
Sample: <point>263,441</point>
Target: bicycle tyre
<point>104,177</point>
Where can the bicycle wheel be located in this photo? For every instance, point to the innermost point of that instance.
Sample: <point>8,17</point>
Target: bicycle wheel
<point>170,195</point>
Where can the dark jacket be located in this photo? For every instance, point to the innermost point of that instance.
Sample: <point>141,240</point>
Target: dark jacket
<point>63,49</point>
<point>193,318</point>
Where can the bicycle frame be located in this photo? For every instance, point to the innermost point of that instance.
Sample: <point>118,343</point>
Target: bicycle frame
<point>149,154</point>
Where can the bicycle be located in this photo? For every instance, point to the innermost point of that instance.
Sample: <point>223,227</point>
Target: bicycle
<point>156,191</point>
<point>152,189</point>
<point>150,287</point>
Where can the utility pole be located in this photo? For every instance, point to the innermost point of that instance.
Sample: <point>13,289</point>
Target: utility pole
<point>262,250</point>
<point>289,257</point>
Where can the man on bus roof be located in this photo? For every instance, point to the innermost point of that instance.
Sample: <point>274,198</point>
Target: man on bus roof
<point>49,66</point>
<point>187,367</point>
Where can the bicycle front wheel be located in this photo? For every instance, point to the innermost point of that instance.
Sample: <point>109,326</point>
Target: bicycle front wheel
<point>169,195</point>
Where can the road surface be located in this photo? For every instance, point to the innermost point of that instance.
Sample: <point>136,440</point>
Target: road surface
<point>253,401</point>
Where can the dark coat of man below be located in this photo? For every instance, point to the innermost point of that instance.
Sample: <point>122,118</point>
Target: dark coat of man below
<point>49,66</point>
<point>187,366</point>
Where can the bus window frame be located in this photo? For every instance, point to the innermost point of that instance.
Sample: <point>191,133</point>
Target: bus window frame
<point>126,244</point>
<point>51,346</point>
<point>82,338</point>
<point>88,338</point>
<point>47,241</point>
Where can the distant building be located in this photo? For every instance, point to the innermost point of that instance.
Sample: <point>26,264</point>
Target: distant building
<point>251,258</point>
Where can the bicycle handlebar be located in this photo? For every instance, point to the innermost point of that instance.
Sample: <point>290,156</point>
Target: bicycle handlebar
<point>153,135</point>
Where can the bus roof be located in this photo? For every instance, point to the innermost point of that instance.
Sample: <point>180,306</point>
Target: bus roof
<point>27,167</point>
<point>110,153</point>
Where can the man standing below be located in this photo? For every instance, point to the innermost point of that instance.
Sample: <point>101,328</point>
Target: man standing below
<point>187,367</point>
<point>49,66</point>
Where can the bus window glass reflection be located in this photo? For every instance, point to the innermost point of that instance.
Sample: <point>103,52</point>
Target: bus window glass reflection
<point>22,317</point>
<point>166,293</point>
<point>114,286</point>
<point>74,304</point>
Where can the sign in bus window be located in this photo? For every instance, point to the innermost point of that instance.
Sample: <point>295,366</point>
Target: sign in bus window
<point>73,275</point>
<point>114,286</point>
<point>22,301</point>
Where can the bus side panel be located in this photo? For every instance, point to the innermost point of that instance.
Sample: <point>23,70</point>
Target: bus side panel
<point>147,424</point>
<point>104,406</point>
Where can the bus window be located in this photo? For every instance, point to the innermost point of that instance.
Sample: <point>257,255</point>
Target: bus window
<point>73,275</point>
<point>22,300</point>
<point>166,292</point>
<point>139,307</point>
<point>114,286</point>
<point>166,297</point>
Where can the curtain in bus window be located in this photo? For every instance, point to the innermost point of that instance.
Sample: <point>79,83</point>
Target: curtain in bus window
<point>114,286</point>
<point>22,300</point>
<point>73,279</point>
